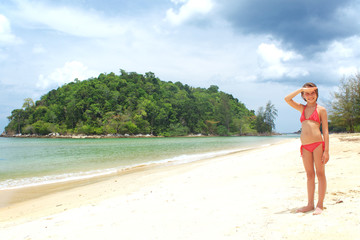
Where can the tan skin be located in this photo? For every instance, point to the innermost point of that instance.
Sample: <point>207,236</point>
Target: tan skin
<point>310,133</point>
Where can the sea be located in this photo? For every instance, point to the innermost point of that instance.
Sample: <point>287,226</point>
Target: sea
<point>28,162</point>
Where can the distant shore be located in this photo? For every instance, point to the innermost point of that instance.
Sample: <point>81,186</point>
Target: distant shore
<point>57,135</point>
<point>82,136</point>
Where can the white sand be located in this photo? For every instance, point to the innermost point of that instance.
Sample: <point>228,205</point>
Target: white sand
<point>251,195</point>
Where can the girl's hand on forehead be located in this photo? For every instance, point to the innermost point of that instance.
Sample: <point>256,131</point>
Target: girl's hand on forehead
<point>309,89</point>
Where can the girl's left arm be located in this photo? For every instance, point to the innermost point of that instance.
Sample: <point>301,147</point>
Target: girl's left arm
<point>325,130</point>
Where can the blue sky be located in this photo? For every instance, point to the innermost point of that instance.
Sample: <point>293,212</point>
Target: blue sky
<point>256,50</point>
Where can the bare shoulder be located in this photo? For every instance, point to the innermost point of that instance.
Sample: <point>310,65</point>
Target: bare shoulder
<point>321,110</point>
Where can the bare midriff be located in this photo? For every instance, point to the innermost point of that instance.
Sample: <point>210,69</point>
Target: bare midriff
<point>310,132</point>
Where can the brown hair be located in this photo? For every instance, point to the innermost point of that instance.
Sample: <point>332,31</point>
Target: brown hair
<point>309,84</point>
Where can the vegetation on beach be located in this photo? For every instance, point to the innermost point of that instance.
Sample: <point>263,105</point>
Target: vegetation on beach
<point>344,113</point>
<point>132,103</point>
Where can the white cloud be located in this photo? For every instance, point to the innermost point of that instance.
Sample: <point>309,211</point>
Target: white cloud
<point>276,63</point>
<point>273,55</point>
<point>348,71</point>
<point>68,73</point>
<point>5,32</point>
<point>339,50</point>
<point>344,52</point>
<point>189,9</point>
<point>69,20</point>
<point>341,58</point>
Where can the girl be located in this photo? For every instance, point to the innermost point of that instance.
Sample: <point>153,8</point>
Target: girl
<point>314,147</point>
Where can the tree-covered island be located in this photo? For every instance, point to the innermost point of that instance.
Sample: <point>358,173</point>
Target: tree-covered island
<point>133,104</point>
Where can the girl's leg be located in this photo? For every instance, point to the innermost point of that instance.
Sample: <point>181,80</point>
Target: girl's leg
<point>320,173</point>
<point>308,162</point>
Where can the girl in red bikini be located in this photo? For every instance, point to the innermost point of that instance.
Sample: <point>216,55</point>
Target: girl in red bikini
<point>315,147</point>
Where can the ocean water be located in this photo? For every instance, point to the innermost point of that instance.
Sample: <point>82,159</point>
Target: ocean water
<point>30,161</point>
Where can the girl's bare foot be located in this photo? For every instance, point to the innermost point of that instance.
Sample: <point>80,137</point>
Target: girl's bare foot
<point>305,209</point>
<point>317,211</point>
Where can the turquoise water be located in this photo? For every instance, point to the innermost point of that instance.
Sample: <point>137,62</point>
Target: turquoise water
<point>30,161</point>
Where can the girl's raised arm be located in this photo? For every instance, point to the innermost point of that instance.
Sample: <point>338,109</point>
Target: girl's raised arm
<point>291,102</point>
<point>296,105</point>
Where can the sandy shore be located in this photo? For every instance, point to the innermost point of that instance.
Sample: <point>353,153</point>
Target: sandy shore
<point>248,195</point>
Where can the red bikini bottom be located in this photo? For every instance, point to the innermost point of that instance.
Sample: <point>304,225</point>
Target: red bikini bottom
<point>311,147</point>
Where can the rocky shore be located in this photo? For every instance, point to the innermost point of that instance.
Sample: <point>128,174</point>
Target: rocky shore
<point>58,135</point>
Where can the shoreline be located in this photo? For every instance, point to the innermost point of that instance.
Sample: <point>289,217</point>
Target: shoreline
<point>40,201</point>
<point>105,172</point>
<point>247,195</point>
<point>32,191</point>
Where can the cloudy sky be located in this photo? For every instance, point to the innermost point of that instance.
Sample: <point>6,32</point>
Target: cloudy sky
<point>256,50</point>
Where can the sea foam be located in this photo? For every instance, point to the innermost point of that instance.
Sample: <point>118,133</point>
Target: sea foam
<point>75,176</point>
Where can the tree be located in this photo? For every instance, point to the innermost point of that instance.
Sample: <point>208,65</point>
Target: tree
<point>345,107</point>
<point>261,126</point>
<point>28,103</point>
<point>16,121</point>
<point>225,112</point>
<point>265,119</point>
<point>270,115</point>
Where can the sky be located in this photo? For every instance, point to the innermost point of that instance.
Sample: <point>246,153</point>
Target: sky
<point>256,50</point>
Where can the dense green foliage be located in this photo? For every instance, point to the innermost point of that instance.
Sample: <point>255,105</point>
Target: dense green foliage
<point>345,108</point>
<point>265,119</point>
<point>132,103</point>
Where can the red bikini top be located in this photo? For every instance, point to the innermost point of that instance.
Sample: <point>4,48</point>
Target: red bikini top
<point>314,116</point>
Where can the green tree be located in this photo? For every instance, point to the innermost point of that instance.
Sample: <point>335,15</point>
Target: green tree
<point>224,111</point>
<point>265,118</point>
<point>42,128</point>
<point>28,103</point>
<point>261,126</point>
<point>270,115</point>
<point>345,107</point>
<point>16,121</point>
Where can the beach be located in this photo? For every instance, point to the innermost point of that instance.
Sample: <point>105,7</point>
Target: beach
<point>250,194</point>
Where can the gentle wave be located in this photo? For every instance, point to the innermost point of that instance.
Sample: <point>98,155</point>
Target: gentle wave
<point>37,181</point>
<point>43,180</point>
